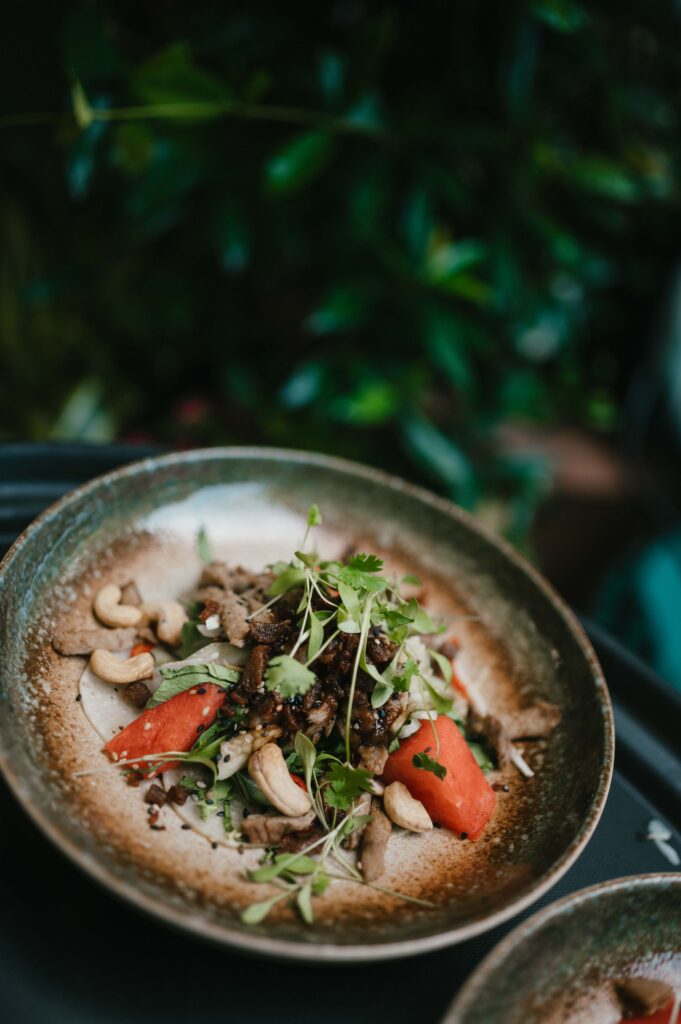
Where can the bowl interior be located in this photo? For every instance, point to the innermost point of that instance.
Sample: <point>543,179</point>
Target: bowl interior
<point>558,967</point>
<point>518,643</point>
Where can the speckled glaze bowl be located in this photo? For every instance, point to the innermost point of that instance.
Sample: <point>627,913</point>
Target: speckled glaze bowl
<point>558,966</point>
<point>519,643</point>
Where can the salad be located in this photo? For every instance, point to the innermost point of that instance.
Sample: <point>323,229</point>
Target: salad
<point>309,710</point>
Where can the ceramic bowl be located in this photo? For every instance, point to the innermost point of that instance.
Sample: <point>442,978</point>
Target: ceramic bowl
<point>558,967</point>
<point>519,643</point>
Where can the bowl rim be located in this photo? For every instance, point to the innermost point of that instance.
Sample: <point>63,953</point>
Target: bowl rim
<point>292,949</point>
<point>470,990</point>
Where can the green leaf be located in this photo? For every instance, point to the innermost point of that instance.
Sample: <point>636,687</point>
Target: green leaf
<point>257,912</point>
<point>314,516</point>
<point>298,163</point>
<point>284,863</point>
<point>421,620</point>
<point>316,636</point>
<point>307,752</point>
<point>444,664</point>
<point>381,693</point>
<point>410,578</point>
<point>365,563</point>
<point>440,702</point>
<point>348,596</point>
<point>191,640</point>
<point>204,548</point>
<point>176,680</point>
<point>82,111</point>
<point>562,15</point>
<point>171,76</point>
<point>287,676</point>
<point>428,764</point>
<point>481,755</point>
<point>345,784</point>
<point>291,577</point>
<point>304,901</point>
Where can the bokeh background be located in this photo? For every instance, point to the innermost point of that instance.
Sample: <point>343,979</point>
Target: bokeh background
<point>440,238</point>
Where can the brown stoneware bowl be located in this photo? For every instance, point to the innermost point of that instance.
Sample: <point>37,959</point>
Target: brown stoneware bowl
<point>558,967</point>
<point>518,639</point>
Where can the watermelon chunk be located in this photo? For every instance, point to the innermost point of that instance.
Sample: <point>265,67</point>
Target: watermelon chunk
<point>463,801</point>
<point>174,725</point>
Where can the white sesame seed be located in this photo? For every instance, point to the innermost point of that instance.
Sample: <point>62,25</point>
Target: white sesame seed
<point>147,725</point>
<point>206,711</point>
<point>201,785</point>
<point>114,755</point>
<point>124,753</point>
<point>192,691</point>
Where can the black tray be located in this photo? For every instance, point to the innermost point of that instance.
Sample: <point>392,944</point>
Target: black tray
<point>70,951</point>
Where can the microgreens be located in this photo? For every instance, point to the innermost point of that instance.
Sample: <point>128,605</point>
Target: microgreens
<point>204,546</point>
<point>287,676</point>
<point>185,677</point>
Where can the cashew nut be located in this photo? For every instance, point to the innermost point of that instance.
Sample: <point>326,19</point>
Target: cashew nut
<point>116,670</point>
<point>404,810</point>
<point>268,770</point>
<point>169,617</point>
<point>110,611</point>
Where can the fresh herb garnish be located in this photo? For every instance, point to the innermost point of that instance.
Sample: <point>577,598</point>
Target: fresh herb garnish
<point>429,764</point>
<point>204,547</point>
<point>185,677</point>
<point>287,676</point>
<point>345,784</point>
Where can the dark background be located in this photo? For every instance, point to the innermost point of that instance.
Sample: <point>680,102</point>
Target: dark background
<point>441,238</point>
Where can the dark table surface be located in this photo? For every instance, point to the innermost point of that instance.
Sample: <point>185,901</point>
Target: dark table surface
<point>70,951</point>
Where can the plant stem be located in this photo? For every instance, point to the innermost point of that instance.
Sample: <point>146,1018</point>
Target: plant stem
<point>366,618</point>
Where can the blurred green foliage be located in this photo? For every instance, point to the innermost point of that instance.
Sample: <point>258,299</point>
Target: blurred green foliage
<point>374,230</point>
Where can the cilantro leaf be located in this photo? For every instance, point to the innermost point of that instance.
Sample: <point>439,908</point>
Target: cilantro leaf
<point>287,676</point>
<point>428,764</point>
<point>345,784</point>
<point>365,563</point>
<point>316,637</point>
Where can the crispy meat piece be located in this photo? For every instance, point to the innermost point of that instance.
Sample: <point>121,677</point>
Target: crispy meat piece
<point>130,594</point>
<point>268,632</point>
<point>210,607</point>
<point>270,829</point>
<point>641,997</point>
<point>178,795</point>
<point>92,638</point>
<point>155,795</point>
<point>533,723</point>
<point>254,669</point>
<point>373,759</point>
<point>490,729</point>
<point>380,651</point>
<point>375,843</point>
<point>137,694</point>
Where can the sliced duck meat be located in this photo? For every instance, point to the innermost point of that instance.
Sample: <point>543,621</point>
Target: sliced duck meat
<point>92,638</point>
<point>254,669</point>
<point>490,729</point>
<point>375,843</point>
<point>270,829</point>
<point>533,723</point>
<point>372,759</point>
<point>362,808</point>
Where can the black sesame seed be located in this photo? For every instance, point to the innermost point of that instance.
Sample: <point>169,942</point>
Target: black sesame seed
<point>185,826</point>
<point>158,828</point>
<point>226,758</point>
<point>437,824</point>
<point>464,835</point>
<point>200,728</point>
<point>79,697</point>
<point>214,845</point>
<point>201,689</point>
<point>209,801</point>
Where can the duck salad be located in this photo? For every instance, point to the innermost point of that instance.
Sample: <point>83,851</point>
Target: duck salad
<point>307,709</point>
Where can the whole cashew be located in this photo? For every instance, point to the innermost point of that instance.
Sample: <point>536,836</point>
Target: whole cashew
<point>404,810</point>
<point>268,770</point>
<point>115,670</point>
<point>169,617</point>
<point>110,611</point>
